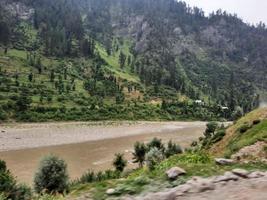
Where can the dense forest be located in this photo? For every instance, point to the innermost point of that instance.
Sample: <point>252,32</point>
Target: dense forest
<point>127,59</point>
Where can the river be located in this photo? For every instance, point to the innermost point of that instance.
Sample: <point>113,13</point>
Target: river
<point>84,145</point>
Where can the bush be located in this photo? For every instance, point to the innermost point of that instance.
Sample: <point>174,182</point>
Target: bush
<point>52,176</point>
<point>87,177</point>
<point>22,192</point>
<point>3,167</point>
<point>172,149</point>
<point>7,183</point>
<point>238,113</point>
<point>257,121</point>
<point>155,143</point>
<point>244,128</point>
<point>3,196</point>
<point>3,115</point>
<point>153,157</point>
<point>9,188</point>
<point>119,162</point>
<point>139,153</point>
<point>210,129</point>
<point>218,136</point>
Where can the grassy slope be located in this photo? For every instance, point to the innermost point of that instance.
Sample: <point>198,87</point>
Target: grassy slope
<point>196,164</point>
<point>15,62</point>
<point>143,180</point>
<point>234,140</point>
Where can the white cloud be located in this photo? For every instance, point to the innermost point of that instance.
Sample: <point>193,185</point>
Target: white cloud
<point>252,11</point>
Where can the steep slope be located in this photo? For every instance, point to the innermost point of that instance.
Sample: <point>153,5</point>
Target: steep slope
<point>150,52</point>
<point>247,131</point>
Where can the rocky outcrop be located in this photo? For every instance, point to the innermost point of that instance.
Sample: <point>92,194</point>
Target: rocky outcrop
<point>174,172</point>
<point>252,152</point>
<point>224,161</point>
<point>232,185</point>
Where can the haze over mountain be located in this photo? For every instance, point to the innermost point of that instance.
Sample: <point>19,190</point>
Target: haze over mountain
<point>250,11</point>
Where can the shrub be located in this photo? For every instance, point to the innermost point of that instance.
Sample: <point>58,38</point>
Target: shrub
<point>7,183</point>
<point>153,157</point>
<point>52,176</point>
<point>210,129</point>
<point>3,167</point>
<point>88,177</point>
<point>172,149</point>
<point>218,136</point>
<point>9,188</point>
<point>238,113</point>
<point>22,192</point>
<point>257,121</point>
<point>119,162</point>
<point>139,153</point>
<point>244,128</point>
<point>3,196</point>
<point>3,115</point>
<point>155,143</point>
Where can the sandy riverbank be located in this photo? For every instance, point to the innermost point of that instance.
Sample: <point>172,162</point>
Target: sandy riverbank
<point>23,136</point>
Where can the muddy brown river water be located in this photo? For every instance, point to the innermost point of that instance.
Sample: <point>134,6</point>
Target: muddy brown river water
<point>84,145</point>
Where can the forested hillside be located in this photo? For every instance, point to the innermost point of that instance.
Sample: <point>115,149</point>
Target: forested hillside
<point>127,59</point>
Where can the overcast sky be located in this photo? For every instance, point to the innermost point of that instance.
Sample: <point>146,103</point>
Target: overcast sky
<point>252,11</point>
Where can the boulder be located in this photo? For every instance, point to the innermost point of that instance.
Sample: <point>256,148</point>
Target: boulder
<point>228,176</point>
<point>110,191</point>
<point>174,172</point>
<point>224,161</point>
<point>256,174</point>
<point>241,172</point>
<point>199,184</point>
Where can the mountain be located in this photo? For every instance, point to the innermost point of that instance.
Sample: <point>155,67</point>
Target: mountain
<point>127,59</point>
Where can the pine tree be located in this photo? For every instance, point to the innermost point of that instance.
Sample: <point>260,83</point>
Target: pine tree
<point>122,59</point>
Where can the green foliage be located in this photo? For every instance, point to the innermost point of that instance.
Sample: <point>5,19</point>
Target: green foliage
<point>153,157</point>
<point>9,187</point>
<point>238,113</point>
<point>155,143</point>
<point>244,128</point>
<point>211,128</point>
<point>139,153</point>
<point>52,176</point>
<point>119,162</point>
<point>250,135</point>
<point>76,50</point>
<point>3,167</point>
<point>172,149</point>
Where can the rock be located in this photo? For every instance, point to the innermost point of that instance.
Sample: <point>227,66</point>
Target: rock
<point>200,184</point>
<point>167,195</point>
<point>181,189</point>
<point>110,191</point>
<point>228,176</point>
<point>174,172</point>
<point>241,172</point>
<point>3,131</point>
<point>224,161</point>
<point>256,175</point>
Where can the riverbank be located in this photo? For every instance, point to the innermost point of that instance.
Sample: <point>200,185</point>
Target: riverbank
<point>84,145</point>
<point>23,136</point>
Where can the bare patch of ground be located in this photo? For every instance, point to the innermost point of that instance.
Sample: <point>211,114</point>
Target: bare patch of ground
<point>255,152</point>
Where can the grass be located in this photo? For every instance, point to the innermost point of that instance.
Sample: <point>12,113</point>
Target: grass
<point>140,180</point>
<point>233,134</point>
<point>113,64</point>
<point>251,136</point>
